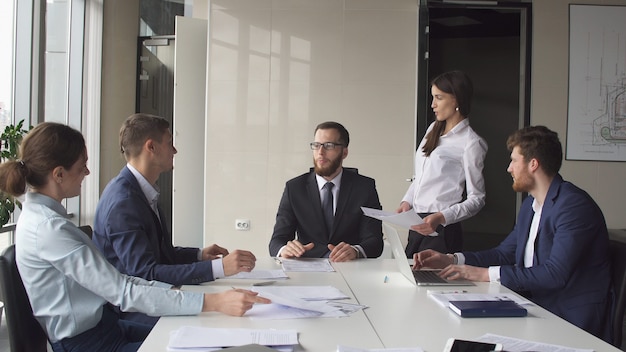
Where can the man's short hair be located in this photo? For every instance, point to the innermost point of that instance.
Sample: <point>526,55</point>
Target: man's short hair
<point>538,142</point>
<point>344,136</point>
<point>137,129</point>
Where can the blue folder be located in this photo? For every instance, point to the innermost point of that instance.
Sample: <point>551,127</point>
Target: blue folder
<point>476,309</point>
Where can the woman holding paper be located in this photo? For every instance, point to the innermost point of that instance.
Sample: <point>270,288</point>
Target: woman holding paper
<point>68,281</point>
<point>448,161</point>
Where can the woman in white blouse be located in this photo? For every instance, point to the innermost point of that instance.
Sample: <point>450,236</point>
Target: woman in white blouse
<point>70,285</point>
<point>448,161</point>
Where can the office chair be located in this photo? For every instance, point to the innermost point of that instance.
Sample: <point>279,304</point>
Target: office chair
<point>617,251</point>
<point>87,229</point>
<point>25,333</point>
<point>353,169</point>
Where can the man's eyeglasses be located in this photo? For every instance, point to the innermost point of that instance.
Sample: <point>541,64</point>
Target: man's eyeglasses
<point>327,145</point>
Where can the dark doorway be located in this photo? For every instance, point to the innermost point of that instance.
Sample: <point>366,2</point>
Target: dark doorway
<point>155,95</point>
<point>490,41</point>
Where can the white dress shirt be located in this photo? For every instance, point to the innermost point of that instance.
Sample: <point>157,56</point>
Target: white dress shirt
<point>454,166</point>
<point>68,280</point>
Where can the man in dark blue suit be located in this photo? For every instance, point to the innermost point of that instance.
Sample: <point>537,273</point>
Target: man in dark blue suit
<point>130,229</point>
<point>557,254</point>
<point>302,227</point>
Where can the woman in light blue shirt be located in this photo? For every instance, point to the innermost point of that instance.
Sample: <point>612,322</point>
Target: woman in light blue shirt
<point>70,285</point>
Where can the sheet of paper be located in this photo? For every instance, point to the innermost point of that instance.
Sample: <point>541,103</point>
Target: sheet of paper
<point>316,306</point>
<point>277,311</point>
<point>260,274</point>
<point>199,337</point>
<point>286,307</point>
<point>518,345</point>
<point>405,219</point>
<point>307,293</point>
<point>444,297</point>
<point>341,348</point>
<point>286,348</point>
<point>347,308</point>
<point>306,264</point>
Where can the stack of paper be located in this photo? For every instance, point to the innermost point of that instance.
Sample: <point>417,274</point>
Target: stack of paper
<point>306,264</point>
<point>341,348</point>
<point>259,274</point>
<point>195,339</point>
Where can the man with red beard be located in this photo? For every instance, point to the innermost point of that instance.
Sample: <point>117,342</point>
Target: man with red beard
<point>320,211</point>
<point>558,252</point>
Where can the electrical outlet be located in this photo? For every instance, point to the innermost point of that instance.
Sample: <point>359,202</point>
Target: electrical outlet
<point>242,224</point>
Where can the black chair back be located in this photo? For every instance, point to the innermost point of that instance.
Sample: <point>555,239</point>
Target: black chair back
<point>87,230</point>
<point>25,333</point>
<point>352,169</point>
<point>618,272</point>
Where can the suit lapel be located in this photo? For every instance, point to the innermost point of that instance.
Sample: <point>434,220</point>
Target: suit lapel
<point>546,209</point>
<point>524,221</point>
<point>162,233</point>
<point>342,198</point>
<point>314,198</point>
<point>165,238</point>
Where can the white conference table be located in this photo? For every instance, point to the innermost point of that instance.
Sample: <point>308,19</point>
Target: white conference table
<point>399,314</point>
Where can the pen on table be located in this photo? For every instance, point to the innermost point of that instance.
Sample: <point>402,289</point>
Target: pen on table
<point>264,283</point>
<point>386,279</point>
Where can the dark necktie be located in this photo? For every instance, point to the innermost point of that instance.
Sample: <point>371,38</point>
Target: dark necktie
<point>327,205</point>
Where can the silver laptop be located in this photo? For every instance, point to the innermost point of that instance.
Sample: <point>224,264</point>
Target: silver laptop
<point>419,277</point>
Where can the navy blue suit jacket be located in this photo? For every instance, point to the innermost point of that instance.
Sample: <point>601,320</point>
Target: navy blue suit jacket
<point>300,211</point>
<point>570,275</point>
<point>133,239</point>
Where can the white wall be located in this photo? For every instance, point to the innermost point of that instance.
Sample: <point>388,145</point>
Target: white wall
<point>276,70</point>
<point>605,181</point>
<point>351,61</point>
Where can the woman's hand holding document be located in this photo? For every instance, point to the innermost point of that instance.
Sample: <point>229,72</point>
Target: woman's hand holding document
<point>405,219</point>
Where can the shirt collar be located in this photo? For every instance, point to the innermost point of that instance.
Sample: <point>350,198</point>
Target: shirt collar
<point>49,202</point>
<point>150,191</point>
<point>536,206</point>
<point>459,126</point>
<point>322,181</point>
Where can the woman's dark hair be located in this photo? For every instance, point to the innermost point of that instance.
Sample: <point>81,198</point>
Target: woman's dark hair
<point>458,84</point>
<point>46,146</point>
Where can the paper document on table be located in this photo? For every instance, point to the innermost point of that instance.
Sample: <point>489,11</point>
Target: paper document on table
<point>306,264</point>
<point>307,293</point>
<point>405,219</point>
<point>289,308</point>
<point>444,297</point>
<point>341,348</point>
<point>201,337</point>
<point>518,345</point>
<point>259,274</point>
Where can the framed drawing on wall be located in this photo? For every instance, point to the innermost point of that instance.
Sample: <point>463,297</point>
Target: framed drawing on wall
<point>596,120</point>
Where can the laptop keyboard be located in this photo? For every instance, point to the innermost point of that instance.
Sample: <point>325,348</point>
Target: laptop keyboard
<point>431,276</point>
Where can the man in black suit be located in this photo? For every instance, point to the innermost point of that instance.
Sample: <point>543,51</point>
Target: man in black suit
<point>318,220</point>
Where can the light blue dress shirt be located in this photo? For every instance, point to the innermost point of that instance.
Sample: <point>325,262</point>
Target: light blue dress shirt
<point>68,280</point>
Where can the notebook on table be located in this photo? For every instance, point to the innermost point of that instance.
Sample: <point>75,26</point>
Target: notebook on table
<point>425,277</point>
<point>477,309</point>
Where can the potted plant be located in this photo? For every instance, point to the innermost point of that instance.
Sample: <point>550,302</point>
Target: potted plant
<point>9,146</point>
